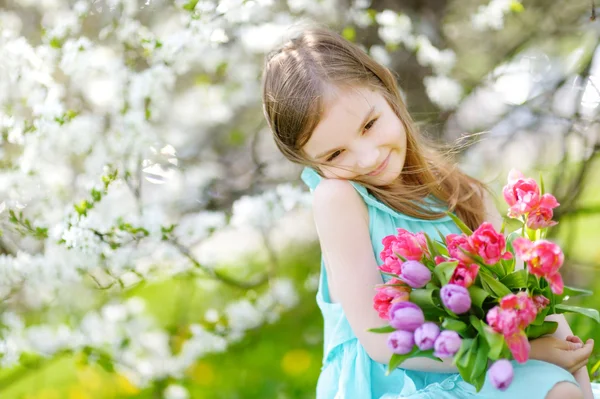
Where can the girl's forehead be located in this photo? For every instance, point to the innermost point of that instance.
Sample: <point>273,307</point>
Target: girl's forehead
<point>344,110</point>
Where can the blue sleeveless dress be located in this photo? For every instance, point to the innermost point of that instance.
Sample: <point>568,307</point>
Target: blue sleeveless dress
<point>349,373</point>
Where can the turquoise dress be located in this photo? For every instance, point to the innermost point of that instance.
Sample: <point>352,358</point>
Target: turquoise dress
<point>349,373</point>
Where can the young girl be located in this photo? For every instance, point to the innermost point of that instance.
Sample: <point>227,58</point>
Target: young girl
<point>334,109</point>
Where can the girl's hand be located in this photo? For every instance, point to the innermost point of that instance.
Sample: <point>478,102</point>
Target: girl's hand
<point>570,354</point>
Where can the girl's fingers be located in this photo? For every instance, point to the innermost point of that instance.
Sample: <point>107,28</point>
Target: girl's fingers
<point>574,338</point>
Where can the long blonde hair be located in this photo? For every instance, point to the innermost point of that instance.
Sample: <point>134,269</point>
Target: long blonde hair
<point>295,79</point>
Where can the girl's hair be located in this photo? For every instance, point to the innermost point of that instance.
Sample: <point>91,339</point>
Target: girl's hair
<point>297,77</point>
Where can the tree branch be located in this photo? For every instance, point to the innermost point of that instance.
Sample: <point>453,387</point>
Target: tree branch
<point>215,273</point>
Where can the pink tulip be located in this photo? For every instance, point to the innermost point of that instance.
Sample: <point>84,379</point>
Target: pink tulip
<point>523,304</point>
<point>504,321</point>
<point>521,194</point>
<point>406,244</point>
<point>388,295</point>
<point>391,264</point>
<point>410,246</point>
<point>464,275</point>
<point>543,259</point>
<point>540,302</point>
<point>541,216</point>
<point>489,244</point>
<point>457,244</point>
<point>519,346</point>
<point>514,314</point>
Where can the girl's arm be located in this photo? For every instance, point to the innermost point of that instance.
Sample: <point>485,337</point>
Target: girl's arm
<point>342,223</point>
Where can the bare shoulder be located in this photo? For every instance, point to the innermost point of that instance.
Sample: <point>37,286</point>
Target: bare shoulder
<point>337,196</point>
<point>337,203</point>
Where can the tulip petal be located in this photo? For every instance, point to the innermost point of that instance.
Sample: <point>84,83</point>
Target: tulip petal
<point>519,346</point>
<point>556,283</point>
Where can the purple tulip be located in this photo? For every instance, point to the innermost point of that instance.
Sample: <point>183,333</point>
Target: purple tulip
<point>406,316</point>
<point>501,374</point>
<point>456,298</point>
<point>401,342</point>
<point>447,344</point>
<point>414,274</point>
<point>425,335</point>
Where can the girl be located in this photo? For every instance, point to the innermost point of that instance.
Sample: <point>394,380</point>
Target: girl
<point>334,109</point>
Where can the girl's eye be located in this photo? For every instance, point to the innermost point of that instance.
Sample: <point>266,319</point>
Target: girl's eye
<point>334,156</point>
<point>370,124</point>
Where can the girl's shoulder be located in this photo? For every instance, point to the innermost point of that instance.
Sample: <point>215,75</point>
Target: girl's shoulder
<point>355,190</point>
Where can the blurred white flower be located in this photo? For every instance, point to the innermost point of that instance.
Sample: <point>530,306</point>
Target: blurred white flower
<point>491,15</point>
<point>380,54</point>
<point>444,92</point>
<point>242,315</point>
<point>176,392</point>
<point>394,28</point>
<point>428,55</point>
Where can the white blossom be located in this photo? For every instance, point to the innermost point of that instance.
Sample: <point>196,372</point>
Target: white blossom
<point>444,92</point>
<point>176,392</point>
<point>491,15</point>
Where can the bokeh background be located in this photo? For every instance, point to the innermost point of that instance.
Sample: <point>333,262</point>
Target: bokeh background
<point>154,243</point>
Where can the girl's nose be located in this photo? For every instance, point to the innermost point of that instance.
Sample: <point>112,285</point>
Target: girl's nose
<point>367,159</point>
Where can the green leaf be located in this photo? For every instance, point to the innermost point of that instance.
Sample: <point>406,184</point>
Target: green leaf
<point>454,325</point>
<point>481,361</point>
<point>534,331</point>
<point>461,225</point>
<point>591,313</point>
<point>432,249</point>
<point>442,238</point>
<point>461,359</point>
<point>428,300</point>
<point>384,329</point>
<point>425,297</point>
<point>541,316</point>
<point>509,265</point>
<point>444,271</point>
<point>389,274</point>
<point>396,359</point>
<point>466,363</point>
<point>498,289</point>
<point>478,296</point>
<point>441,248</point>
<point>495,341</point>
<point>190,5</point>
<point>572,292</point>
<point>516,279</point>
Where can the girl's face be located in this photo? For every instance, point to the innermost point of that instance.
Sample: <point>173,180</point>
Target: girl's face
<point>359,136</point>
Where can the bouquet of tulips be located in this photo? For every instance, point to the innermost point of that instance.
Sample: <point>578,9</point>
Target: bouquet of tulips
<point>461,296</point>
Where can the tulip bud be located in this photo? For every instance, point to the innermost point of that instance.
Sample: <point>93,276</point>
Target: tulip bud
<point>456,298</point>
<point>406,316</point>
<point>415,274</point>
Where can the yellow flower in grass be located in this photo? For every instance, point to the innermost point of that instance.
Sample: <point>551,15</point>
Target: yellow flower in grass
<point>201,373</point>
<point>78,392</point>
<point>296,362</point>
<point>125,386</point>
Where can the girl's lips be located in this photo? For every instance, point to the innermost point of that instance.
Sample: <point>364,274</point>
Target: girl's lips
<point>381,167</point>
